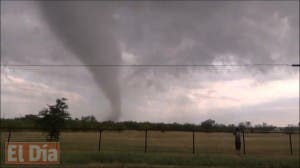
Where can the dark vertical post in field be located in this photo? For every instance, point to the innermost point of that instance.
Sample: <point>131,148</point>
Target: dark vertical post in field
<point>99,143</point>
<point>9,134</point>
<point>291,146</point>
<point>193,141</point>
<point>244,145</point>
<point>146,136</point>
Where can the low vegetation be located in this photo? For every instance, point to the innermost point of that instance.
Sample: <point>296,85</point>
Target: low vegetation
<point>168,144</point>
<point>126,148</point>
<point>90,123</point>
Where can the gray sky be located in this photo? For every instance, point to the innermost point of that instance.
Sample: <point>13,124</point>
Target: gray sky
<point>97,32</point>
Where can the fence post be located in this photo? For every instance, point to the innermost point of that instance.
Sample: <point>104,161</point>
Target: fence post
<point>193,141</point>
<point>9,134</point>
<point>146,136</point>
<point>291,146</point>
<point>99,143</point>
<point>244,145</point>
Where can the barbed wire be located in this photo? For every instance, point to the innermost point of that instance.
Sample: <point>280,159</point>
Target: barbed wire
<point>143,65</point>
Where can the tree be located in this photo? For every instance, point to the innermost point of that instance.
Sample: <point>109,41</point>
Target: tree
<point>52,118</point>
<point>291,128</point>
<point>88,122</point>
<point>30,117</point>
<point>208,124</point>
<point>89,118</point>
<point>248,124</point>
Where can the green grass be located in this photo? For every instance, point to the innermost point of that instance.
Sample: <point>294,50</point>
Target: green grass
<point>126,148</point>
<point>167,142</point>
<point>163,159</point>
<point>180,159</point>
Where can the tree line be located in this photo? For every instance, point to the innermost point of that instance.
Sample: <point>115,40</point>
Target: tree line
<point>90,123</point>
<point>55,117</point>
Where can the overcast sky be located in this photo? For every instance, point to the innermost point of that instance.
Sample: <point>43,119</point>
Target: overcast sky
<point>95,32</point>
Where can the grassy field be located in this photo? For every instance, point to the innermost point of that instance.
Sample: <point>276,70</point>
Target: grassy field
<point>126,149</point>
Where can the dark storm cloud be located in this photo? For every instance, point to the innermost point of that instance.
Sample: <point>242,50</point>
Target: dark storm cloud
<point>95,32</point>
<point>86,30</point>
<point>249,31</point>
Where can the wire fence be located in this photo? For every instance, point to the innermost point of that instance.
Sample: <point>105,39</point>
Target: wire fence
<point>147,140</point>
<point>150,65</point>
